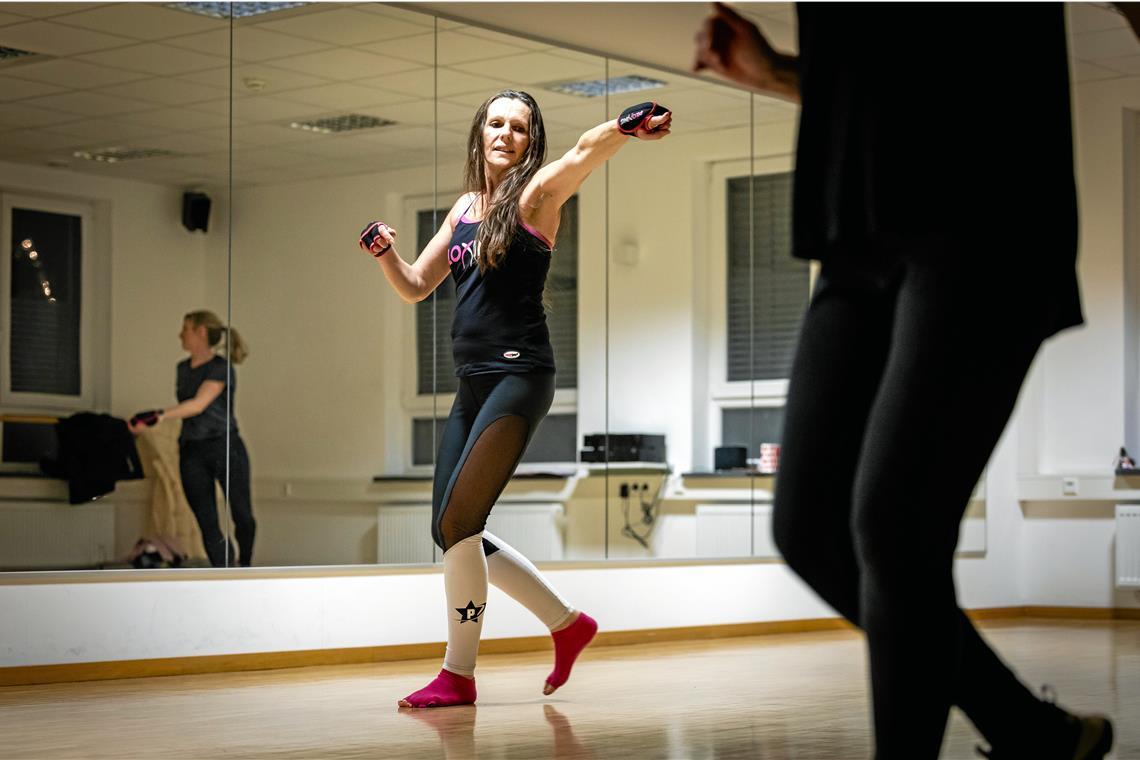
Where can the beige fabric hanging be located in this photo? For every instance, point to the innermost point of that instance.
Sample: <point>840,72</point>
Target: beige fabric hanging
<point>169,513</point>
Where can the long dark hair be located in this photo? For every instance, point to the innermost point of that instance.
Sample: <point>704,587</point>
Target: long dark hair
<point>501,218</point>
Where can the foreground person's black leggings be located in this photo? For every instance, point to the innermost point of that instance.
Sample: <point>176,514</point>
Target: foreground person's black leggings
<point>201,464</point>
<point>905,376</point>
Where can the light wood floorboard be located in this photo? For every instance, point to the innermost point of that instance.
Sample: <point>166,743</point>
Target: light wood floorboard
<point>771,697</point>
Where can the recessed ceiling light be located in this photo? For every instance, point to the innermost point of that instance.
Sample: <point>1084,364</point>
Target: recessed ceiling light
<point>118,155</point>
<point>239,10</point>
<point>348,122</point>
<point>593,88</point>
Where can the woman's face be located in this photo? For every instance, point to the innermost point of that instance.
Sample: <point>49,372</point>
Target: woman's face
<point>191,336</point>
<point>506,134</point>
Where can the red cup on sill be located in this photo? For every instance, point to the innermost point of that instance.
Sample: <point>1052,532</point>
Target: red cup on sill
<point>769,457</point>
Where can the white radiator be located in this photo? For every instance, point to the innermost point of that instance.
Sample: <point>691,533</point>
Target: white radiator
<point>735,530</point>
<point>404,531</point>
<point>403,534</point>
<point>535,530</point>
<point>1128,545</point>
<point>44,535</point>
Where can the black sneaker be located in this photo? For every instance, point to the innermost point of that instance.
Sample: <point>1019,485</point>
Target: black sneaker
<point>1086,737</point>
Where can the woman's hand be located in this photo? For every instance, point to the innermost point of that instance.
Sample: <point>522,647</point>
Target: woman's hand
<point>656,127</point>
<point>733,47</point>
<point>377,238</point>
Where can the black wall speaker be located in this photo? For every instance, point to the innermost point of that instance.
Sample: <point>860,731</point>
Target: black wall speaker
<point>195,211</point>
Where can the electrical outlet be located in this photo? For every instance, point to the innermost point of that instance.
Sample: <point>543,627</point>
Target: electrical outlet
<point>1070,486</point>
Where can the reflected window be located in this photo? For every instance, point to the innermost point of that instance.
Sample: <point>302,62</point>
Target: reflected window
<point>767,292</point>
<point>45,294</point>
<point>552,442</point>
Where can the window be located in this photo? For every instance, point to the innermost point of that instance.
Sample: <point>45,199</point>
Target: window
<point>556,438</point>
<point>766,291</point>
<point>757,295</point>
<point>46,299</point>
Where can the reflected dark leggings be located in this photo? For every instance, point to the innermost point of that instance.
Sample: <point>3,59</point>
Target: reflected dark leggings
<point>904,378</point>
<point>492,421</point>
<point>202,464</point>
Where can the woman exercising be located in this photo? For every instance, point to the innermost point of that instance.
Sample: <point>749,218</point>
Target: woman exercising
<point>496,242</point>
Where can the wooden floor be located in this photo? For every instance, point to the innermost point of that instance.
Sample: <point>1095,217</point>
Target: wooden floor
<point>793,696</point>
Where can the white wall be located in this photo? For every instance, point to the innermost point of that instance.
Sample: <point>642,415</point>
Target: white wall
<point>1076,416</point>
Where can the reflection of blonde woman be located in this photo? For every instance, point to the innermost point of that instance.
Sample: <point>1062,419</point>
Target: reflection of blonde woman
<point>201,380</point>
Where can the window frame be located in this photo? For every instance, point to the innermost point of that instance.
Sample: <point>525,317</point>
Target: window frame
<point>722,393</point>
<point>22,401</point>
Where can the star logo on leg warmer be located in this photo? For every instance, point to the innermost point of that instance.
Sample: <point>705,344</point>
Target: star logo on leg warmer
<point>471,613</point>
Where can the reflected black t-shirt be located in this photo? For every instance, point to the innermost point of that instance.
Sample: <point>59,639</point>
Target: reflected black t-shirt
<point>211,423</point>
<point>943,123</point>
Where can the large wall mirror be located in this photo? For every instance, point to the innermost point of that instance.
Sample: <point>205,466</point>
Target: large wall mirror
<point>167,160</point>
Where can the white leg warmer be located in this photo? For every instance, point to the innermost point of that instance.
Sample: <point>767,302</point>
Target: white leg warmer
<point>520,579</point>
<point>465,585</point>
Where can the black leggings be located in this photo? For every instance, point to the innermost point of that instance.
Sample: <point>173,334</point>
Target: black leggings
<point>202,463</point>
<point>491,423</point>
<point>905,376</point>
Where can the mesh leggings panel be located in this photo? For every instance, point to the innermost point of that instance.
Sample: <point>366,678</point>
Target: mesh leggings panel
<point>481,479</point>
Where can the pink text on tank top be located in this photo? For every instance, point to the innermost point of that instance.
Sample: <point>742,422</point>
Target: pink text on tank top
<point>463,253</point>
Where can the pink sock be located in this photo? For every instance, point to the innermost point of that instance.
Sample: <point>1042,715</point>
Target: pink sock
<point>447,689</point>
<point>568,644</point>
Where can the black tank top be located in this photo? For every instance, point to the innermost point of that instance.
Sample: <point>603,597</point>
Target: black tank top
<point>500,323</point>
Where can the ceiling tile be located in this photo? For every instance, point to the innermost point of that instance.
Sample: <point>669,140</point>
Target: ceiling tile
<point>266,109</point>
<point>179,119</point>
<point>343,26</point>
<point>1090,72</point>
<point>187,142</point>
<point>17,89</point>
<point>44,10</point>
<point>453,47</point>
<point>1128,64</point>
<point>21,114</point>
<point>343,64</point>
<point>143,21</point>
<point>261,135</point>
<point>166,91</point>
<point>9,18</point>
<point>420,113</point>
<point>89,103</point>
<point>1090,46</point>
<point>343,96</point>
<point>216,43</point>
<point>275,80</point>
<point>419,48</point>
<point>153,58</point>
<point>104,130</point>
<point>257,44</point>
<point>77,75</point>
<point>533,68</point>
<point>1092,17</point>
<point>407,16</point>
<point>57,39</point>
<point>422,81</point>
<point>36,140</point>
<point>507,39</point>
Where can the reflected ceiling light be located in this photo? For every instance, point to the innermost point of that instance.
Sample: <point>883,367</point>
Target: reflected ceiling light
<point>593,88</point>
<point>348,122</point>
<point>117,155</point>
<point>239,10</point>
